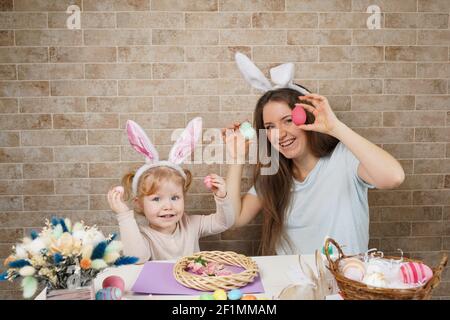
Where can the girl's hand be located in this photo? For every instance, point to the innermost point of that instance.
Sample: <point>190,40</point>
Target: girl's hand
<point>115,200</point>
<point>235,143</point>
<point>325,119</point>
<point>218,186</point>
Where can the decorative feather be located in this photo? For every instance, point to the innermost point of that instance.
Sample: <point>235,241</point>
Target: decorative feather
<point>126,260</point>
<point>55,221</point>
<point>34,234</point>
<point>111,257</point>
<point>86,251</point>
<point>58,258</point>
<point>99,250</point>
<point>98,264</point>
<point>57,231</point>
<point>29,285</point>
<point>114,246</point>
<point>112,237</point>
<point>68,224</point>
<point>27,271</point>
<point>4,276</point>
<point>63,225</point>
<point>19,263</point>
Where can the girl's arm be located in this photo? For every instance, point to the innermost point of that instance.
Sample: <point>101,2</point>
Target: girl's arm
<point>223,219</point>
<point>134,243</point>
<point>377,167</point>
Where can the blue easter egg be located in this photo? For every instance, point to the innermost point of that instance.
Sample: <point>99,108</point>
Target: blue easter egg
<point>235,294</point>
<point>109,293</point>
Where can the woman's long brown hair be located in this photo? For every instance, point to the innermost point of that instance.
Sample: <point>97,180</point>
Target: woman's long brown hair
<point>275,190</point>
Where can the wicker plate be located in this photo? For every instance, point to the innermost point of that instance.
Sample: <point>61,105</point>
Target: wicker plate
<point>211,283</point>
<point>355,290</point>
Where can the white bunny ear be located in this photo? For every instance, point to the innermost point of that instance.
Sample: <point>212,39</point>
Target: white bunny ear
<point>251,73</point>
<point>186,142</point>
<point>283,74</point>
<point>140,142</point>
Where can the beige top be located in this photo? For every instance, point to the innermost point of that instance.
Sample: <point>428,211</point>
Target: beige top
<point>148,244</point>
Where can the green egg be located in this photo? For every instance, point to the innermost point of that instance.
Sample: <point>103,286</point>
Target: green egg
<point>206,296</point>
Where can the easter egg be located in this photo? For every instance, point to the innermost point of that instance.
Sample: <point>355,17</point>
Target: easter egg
<point>414,272</point>
<point>207,182</point>
<point>220,294</point>
<point>206,296</point>
<point>235,294</point>
<point>247,130</point>
<point>298,115</point>
<point>114,281</point>
<point>249,297</point>
<point>376,279</point>
<point>109,293</point>
<point>353,269</point>
<point>330,250</point>
<point>119,189</point>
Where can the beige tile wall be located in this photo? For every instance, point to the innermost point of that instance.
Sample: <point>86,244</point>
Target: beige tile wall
<point>65,96</point>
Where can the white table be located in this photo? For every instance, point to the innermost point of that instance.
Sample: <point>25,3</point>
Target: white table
<point>276,273</point>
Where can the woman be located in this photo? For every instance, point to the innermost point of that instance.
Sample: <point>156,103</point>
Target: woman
<point>320,189</point>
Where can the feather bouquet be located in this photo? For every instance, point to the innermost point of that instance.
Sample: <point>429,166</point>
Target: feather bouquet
<point>62,256</point>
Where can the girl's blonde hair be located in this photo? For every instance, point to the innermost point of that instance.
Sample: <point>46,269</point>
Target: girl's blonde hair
<point>150,181</point>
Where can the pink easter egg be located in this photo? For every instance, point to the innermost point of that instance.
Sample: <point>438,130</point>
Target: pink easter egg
<point>207,182</point>
<point>114,281</point>
<point>298,115</point>
<point>414,272</point>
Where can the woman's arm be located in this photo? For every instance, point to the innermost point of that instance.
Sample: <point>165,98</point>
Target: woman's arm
<point>376,167</point>
<point>247,207</point>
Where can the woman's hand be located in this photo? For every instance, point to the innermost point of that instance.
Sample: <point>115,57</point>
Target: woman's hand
<point>325,119</point>
<point>115,200</point>
<point>218,186</point>
<point>235,143</point>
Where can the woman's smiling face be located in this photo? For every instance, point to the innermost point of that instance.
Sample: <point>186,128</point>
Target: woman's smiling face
<point>282,133</point>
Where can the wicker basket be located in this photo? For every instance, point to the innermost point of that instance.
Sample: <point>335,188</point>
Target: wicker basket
<point>354,290</point>
<point>211,283</point>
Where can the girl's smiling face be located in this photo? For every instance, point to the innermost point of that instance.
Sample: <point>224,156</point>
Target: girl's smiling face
<point>282,133</point>
<point>164,208</point>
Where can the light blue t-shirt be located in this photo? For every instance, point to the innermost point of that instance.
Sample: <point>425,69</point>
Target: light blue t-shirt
<point>331,201</point>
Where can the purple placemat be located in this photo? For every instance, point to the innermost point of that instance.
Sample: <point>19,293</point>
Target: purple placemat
<point>157,278</point>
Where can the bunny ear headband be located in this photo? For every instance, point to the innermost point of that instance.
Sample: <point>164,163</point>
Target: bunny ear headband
<point>282,76</point>
<point>182,148</point>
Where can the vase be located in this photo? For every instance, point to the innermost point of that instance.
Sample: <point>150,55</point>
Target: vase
<point>80,293</point>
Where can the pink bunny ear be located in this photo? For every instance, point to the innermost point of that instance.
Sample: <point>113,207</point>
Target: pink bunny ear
<point>186,142</point>
<point>140,142</point>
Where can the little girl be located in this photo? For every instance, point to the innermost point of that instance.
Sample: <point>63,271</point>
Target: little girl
<point>158,190</point>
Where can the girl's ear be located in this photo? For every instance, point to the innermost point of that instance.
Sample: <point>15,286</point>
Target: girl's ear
<point>138,204</point>
<point>187,142</point>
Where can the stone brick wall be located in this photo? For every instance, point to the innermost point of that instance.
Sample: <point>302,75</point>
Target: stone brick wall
<point>65,96</point>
